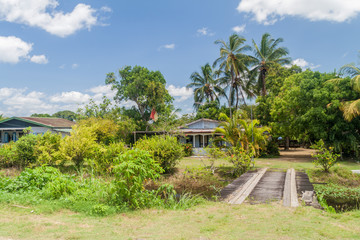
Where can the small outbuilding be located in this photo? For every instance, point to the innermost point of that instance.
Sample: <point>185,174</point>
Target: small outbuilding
<point>11,129</point>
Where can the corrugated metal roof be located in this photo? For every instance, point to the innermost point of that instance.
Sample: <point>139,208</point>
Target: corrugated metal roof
<point>52,122</point>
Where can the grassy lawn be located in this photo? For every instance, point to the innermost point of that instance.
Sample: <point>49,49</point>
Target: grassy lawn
<point>297,159</point>
<point>207,221</point>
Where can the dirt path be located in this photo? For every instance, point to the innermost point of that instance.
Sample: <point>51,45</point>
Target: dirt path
<point>297,155</point>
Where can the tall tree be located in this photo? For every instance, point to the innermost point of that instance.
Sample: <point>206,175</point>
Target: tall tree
<point>206,86</point>
<point>234,62</point>
<point>146,88</point>
<point>266,55</point>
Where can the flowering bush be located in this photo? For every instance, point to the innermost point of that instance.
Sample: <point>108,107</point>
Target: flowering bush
<point>188,149</point>
<point>325,158</point>
<point>241,159</point>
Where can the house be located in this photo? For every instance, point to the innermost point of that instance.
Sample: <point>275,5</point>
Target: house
<point>199,133</point>
<point>12,129</point>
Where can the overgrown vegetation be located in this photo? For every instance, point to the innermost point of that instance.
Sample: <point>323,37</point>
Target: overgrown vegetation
<point>339,190</point>
<point>166,150</point>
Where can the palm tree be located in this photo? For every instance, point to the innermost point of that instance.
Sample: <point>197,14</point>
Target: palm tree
<point>234,62</point>
<point>351,109</point>
<point>206,86</point>
<point>266,55</point>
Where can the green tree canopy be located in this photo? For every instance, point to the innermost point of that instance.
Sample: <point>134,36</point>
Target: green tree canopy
<point>306,108</point>
<point>66,114</point>
<point>146,88</point>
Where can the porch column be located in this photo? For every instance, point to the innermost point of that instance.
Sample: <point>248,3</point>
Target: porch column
<point>194,141</point>
<point>203,145</point>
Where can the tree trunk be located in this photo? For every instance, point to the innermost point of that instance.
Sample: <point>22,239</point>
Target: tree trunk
<point>243,97</point>
<point>237,98</point>
<point>287,143</point>
<point>263,75</point>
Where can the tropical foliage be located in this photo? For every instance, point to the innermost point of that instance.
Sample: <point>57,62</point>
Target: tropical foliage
<point>205,85</point>
<point>351,108</point>
<point>239,131</point>
<point>267,54</point>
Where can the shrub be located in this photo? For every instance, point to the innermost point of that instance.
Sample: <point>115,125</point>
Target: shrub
<point>214,153</point>
<point>25,150</point>
<point>271,149</point>
<point>7,156</point>
<point>166,150</point>
<point>135,168</point>
<point>47,149</point>
<point>81,144</point>
<point>188,149</point>
<point>241,160</point>
<point>32,179</point>
<point>325,158</point>
<point>105,130</point>
<point>106,157</point>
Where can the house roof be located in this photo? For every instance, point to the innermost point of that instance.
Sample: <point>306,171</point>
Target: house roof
<point>199,120</point>
<point>45,122</point>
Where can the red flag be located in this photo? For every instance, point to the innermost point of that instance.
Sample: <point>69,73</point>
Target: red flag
<point>153,112</point>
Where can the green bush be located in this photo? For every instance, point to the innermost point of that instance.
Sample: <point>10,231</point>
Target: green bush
<point>325,158</point>
<point>271,149</point>
<point>241,159</point>
<point>7,156</point>
<point>47,149</point>
<point>339,197</point>
<point>106,157</point>
<point>25,150</point>
<point>135,168</point>
<point>166,150</point>
<point>80,145</point>
<point>32,179</point>
<point>188,149</point>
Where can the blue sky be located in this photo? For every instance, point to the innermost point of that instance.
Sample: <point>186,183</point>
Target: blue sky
<point>54,54</point>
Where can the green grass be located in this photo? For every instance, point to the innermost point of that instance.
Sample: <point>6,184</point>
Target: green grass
<point>190,162</point>
<point>207,221</point>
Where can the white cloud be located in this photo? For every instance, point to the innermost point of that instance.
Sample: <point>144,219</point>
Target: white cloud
<point>100,91</point>
<point>270,11</point>
<point>39,59</point>
<point>167,46</point>
<point>205,32</point>
<point>303,64</point>
<point>44,14</point>
<point>180,93</point>
<point>74,66</point>
<point>72,97</point>
<point>239,28</point>
<point>106,9</point>
<point>19,103</point>
<point>13,49</point>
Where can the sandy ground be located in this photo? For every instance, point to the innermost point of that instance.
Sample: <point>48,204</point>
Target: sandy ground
<point>296,155</point>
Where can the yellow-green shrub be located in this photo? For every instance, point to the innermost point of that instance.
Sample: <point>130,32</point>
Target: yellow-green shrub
<point>166,150</point>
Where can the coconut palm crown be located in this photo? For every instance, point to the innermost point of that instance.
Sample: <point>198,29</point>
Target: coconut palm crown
<point>351,109</point>
<point>234,62</point>
<point>206,88</point>
<point>267,54</point>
